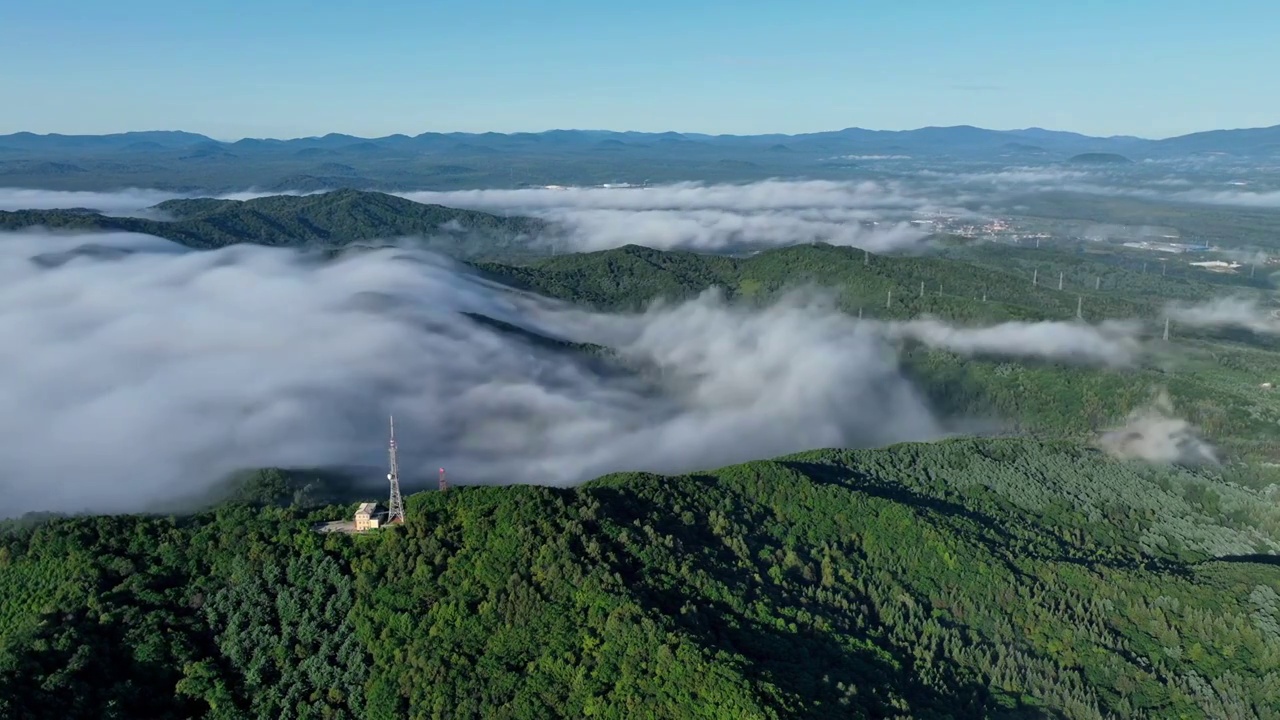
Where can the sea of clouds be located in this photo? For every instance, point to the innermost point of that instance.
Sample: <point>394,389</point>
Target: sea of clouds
<point>151,370</point>
<point>697,216</point>
<point>139,371</point>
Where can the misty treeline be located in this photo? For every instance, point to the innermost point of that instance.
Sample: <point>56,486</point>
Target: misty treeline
<point>1244,219</point>
<point>963,579</point>
<point>880,286</point>
<point>338,218</point>
<point>1214,384</point>
<point>1107,269</point>
<point>701,381</point>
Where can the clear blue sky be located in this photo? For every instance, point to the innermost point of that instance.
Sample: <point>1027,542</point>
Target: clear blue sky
<point>288,68</point>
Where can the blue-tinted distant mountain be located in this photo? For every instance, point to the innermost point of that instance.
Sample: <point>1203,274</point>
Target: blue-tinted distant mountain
<point>959,139</point>
<point>430,160</point>
<point>1099,159</point>
<point>1236,142</point>
<point>333,168</point>
<point>116,141</point>
<point>39,167</point>
<point>315,152</point>
<point>367,147</point>
<point>1023,148</point>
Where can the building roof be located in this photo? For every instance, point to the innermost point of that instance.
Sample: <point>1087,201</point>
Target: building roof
<point>368,508</point>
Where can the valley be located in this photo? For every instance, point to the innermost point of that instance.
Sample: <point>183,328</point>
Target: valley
<point>952,488</point>
<point>616,361</point>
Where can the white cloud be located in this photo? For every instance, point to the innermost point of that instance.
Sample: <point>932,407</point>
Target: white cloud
<point>1240,198</point>
<point>710,217</point>
<point>749,197</point>
<point>123,201</point>
<point>1111,343</point>
<point>1238,312</point>
<point>1153,433</point>
<point>146,373</point>
<point>953,187</point>
<point>128,202</point>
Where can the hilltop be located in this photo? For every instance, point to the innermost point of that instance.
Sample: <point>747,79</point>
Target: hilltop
<point>963,579</point>
<point>320,220</point>
<point>955,281</point>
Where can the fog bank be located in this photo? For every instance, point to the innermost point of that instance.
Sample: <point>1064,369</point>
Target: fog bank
<point>138,371</point>
<point>696,216</point>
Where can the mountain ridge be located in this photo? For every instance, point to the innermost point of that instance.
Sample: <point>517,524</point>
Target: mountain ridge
<point>562,132</point>
<point>188,162</point>
<point>958,135</point>
<point>1009,579</point>
<point>317,220</point>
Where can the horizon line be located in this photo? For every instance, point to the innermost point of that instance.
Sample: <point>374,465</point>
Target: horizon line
<point>1034,128</point>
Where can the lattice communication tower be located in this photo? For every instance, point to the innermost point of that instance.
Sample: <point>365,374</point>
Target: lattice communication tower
<point>395,506</point>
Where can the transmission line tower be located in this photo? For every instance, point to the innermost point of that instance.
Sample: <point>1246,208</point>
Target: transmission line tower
<point>395,506</point>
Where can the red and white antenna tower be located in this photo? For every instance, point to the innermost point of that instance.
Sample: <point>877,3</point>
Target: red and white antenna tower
<point>444,484</point>
<point>395,507</point>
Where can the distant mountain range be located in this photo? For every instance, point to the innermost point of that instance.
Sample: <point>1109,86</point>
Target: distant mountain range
<point>960,139</point>
<point>191,162</point>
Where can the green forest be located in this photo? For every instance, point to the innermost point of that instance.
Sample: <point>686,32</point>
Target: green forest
<point>963,579</point>
<point>1022,576</point>
<point>1213,376</point>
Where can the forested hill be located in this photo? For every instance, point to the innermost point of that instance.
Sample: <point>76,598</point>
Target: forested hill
<point>631,276</point>
<point>337,217</point>
<point>963,579</point>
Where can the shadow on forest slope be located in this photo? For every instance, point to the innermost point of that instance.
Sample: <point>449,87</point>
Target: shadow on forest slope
<point>1253,558</point>
<point>1004,538</point>
<point>817,674</point>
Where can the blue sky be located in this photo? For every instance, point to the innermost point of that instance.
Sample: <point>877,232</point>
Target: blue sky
<point>288,68</point>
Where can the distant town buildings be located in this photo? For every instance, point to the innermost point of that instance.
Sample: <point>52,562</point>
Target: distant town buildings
<point>1216,265</point>
<point>1169,247</point>
<point>605,186</point>
<point>991,228</point>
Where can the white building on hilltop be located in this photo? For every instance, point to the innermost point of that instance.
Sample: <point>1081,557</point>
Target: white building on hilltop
<point>368,517</point>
